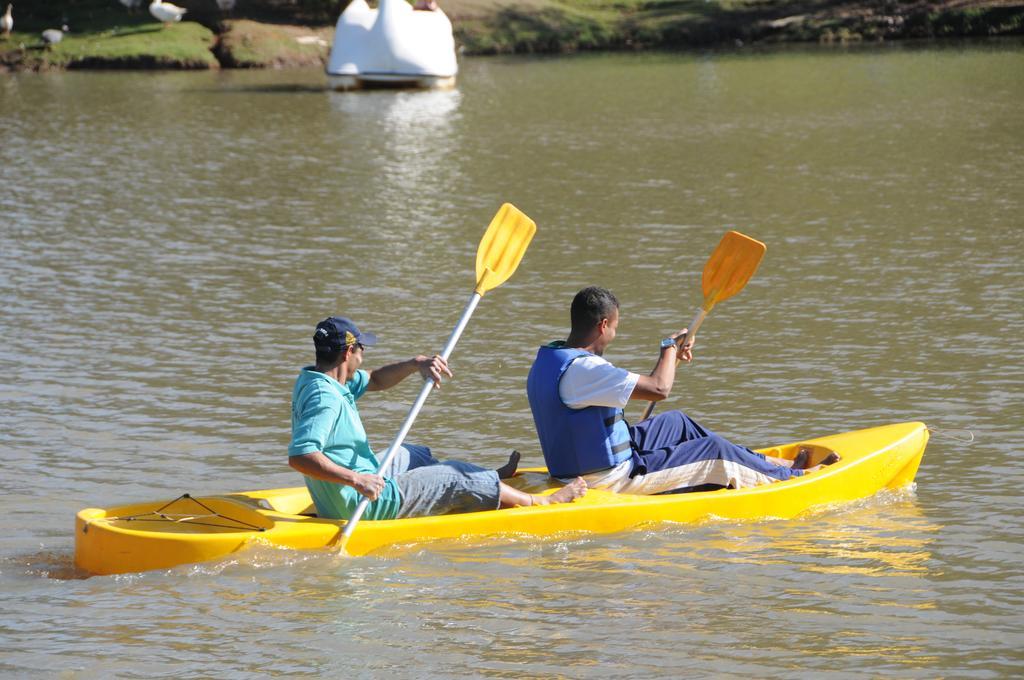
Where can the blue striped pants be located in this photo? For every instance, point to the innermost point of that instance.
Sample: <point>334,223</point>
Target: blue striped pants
<point>673,453</point>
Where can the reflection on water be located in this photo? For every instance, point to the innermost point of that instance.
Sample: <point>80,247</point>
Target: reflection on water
<point>416,129</point>
<point>420,112</point>
<point>687,589</point>
<point>885,535</point>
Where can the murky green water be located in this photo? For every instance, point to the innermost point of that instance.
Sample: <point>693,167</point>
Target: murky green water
<point>169,240</point>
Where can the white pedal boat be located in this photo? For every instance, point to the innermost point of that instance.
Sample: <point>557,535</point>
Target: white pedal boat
<point>392,46</point>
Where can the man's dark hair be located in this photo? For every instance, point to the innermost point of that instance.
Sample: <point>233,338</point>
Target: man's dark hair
<point>590,306</point>
<point>327,357</point>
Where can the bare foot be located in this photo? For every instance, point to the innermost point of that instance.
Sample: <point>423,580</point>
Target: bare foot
<point>567,494</point>
<point>827,460</point>
<point>801,458</point>
<point>509,469</point>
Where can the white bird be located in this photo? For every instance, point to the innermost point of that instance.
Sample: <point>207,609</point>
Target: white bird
<point>52,36</point>
<point>165,11</point>
<point>131,5</point>
<point>7,21</point>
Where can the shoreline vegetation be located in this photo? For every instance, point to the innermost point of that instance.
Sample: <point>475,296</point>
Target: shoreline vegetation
<point>103,34</point>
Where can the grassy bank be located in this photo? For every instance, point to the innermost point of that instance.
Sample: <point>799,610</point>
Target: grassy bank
<point>275,33</point>
<point>251,44</point>
<point>142,45</point>
<point>497,26</point>
<point>108,38</point>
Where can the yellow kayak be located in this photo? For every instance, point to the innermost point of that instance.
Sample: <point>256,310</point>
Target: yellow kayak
<point>186,530</point>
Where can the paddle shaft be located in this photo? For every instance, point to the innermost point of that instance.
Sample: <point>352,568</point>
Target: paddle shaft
<point>428,385</point>
<point>691,333</point>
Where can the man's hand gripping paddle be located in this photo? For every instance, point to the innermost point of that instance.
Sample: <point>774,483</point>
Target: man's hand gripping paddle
<point>728,269</point>
<point>497,257</point>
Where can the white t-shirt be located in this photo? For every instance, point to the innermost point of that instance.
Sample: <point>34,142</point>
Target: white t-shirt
<point>592,381</point>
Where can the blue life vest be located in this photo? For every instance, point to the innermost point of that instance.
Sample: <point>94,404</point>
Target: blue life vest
<point>574,441</point>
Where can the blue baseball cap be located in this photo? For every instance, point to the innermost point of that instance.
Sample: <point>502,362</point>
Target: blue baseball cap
<point>336,332</point>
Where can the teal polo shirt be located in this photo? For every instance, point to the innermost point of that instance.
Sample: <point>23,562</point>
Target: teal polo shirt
<point>325,418</point>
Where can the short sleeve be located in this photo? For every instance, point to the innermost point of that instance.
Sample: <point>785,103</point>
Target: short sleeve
<point>314,421</point>
<point>358,384</point>
<point>593,381</point>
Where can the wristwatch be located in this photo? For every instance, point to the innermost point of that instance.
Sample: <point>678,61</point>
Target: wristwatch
<point>669,342</point>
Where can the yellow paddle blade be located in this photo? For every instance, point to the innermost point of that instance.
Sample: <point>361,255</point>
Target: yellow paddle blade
<point>503,246</point>
<point>730,267</point>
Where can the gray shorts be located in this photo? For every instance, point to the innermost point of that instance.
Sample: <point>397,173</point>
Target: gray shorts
<point>433,487</point>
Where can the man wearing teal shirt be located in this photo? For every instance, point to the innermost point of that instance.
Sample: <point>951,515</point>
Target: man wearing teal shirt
<point>330,448</point>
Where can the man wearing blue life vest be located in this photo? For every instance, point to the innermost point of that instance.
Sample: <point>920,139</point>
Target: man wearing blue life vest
<point>577,398</point>
<point>330,448</point>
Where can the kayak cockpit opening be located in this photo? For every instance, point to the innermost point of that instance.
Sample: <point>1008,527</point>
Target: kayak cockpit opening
<point>816,454</point>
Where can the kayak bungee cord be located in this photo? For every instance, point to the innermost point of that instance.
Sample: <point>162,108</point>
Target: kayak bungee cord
<point>159,515</point>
